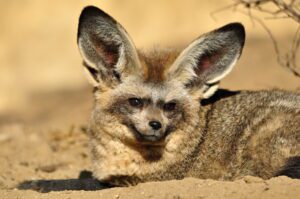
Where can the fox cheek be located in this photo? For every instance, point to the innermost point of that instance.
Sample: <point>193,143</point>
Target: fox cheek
<point>174,119</point>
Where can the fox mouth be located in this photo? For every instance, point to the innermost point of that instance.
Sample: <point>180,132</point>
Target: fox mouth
<point>147,139</point>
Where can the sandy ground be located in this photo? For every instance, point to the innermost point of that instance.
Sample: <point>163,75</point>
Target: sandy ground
<point>45,100</point>
<point>280,187</point>
<point>52,164</point>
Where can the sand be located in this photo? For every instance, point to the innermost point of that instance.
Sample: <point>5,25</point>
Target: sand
<point>56,164</point>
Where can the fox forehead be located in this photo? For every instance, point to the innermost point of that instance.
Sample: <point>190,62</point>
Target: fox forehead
<point>153,84</point>
<point>155,91</point>
<point>155,63</point>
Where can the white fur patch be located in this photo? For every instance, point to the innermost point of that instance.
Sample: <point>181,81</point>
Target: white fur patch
<point>210,91</point>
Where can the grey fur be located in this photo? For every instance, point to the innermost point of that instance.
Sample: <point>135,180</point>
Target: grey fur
<point>227,136</point>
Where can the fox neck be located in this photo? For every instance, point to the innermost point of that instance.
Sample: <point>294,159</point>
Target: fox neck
<point>121,164</point>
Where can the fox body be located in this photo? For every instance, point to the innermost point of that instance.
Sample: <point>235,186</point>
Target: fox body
<point>160,115</point>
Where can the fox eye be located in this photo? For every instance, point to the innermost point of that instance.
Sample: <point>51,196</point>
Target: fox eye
<point>169,106</point>
<point>135,102</point>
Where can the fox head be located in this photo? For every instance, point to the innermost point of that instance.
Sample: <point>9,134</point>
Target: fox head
<point>143,99</point>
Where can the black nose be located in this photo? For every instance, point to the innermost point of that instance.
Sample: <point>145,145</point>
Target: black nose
<point>155,125</point>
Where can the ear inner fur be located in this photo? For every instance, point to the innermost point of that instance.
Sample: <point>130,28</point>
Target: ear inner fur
<point>210,57</point>
<point>105,45</point>
<point>108,51</point>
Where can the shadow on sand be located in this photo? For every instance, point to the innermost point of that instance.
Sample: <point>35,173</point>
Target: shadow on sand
<point>85,182</point>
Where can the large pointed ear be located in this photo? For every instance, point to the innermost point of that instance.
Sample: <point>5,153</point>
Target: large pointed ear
<point>108,52</point>
<point>209,59</point>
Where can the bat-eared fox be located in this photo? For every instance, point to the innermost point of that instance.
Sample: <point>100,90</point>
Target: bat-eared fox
<point>159,115</point>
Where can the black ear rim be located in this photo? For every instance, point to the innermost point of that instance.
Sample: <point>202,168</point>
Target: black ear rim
<point>88,12</point>
<point>237,29</point>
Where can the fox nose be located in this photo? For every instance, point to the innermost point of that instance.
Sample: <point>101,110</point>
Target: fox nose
<point>155,125</point>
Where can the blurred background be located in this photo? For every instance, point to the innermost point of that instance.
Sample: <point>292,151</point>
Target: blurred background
<point>41,78</point>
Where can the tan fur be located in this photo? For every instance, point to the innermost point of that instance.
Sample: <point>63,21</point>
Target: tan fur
<point>226,136</point>
<point>226,139</point>
<point>156,63</point>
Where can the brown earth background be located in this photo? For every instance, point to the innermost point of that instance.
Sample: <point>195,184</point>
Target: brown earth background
<point>45,99</point>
